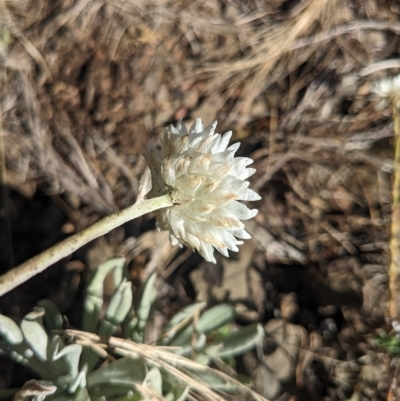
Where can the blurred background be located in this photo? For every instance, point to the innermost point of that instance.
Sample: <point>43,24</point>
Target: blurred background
<point>85,85</point>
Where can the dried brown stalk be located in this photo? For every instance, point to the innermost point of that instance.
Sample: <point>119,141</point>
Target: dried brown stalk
<point>394,268</point>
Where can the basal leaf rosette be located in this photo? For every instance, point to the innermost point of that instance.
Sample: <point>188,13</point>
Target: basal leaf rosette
<point>207,182</point>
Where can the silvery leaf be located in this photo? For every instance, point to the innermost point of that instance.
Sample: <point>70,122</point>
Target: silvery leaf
<point>214,318</point>
<point>237,343</point>
<point>22,354</point>
<point>148,297</point>
<point>70,355</point>
<point>52,318</point>
<point>80,395</point>
<point>122,372</point>
<point>154,380</point>
<point>203,359</point>
<point>34,333</point>
<point>58,365</point>
<point>178,394</point>
<point>209,320</point>
<point>94,292</point>
<point>78,382</point>
<point>186,349</point>
<point>138,323</point>
<point>180,319</point>
<point>213,380</point>
<point>10,331</point>
<point>119,306</point>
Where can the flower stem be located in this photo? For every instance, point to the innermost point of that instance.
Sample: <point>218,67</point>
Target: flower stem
<point>394,267</point>
<point>39,263</point>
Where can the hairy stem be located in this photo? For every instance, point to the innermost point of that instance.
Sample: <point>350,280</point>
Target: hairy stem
<point>39,263</point>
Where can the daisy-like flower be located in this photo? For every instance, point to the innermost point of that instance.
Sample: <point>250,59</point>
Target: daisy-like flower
<point>387,88</point>
<point>207,182</point>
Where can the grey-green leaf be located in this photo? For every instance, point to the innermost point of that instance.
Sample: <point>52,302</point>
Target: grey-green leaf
<point>52,317</point>
<point>212,379</point>
<point>178,394</point>
<point>70,356</point>
<point>154,380</point>
<point>148,297</point>
<point>81,395</point>
<point>138,323</point>
<point>237,343</point>
<point>10,331</point>
<point>210,320</point>
<point>58,365</point>
<point>94,292</point>
<point>187,349</point>
<point>183,316</point>
<point>215,317</point>
<point>203,359</point>
<point>122,372</point>
<point>34,333</point>
<point>78,382</point>
<point>119,306</point>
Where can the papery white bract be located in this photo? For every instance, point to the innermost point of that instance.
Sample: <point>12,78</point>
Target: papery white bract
<point>387,87</point>
<point>208,181</point>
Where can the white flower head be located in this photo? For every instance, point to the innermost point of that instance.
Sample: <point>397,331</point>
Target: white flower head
<point>207,182</point>
<point>387,88</point>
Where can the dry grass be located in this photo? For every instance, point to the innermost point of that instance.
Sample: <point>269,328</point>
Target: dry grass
<point>175,368</point>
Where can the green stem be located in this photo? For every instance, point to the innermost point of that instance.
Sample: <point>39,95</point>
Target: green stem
<point>39,263</point>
